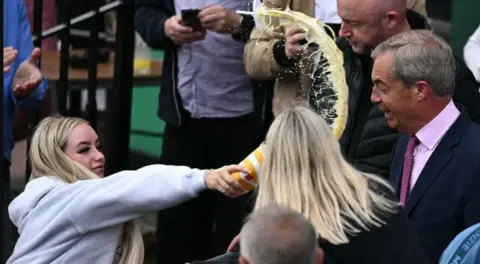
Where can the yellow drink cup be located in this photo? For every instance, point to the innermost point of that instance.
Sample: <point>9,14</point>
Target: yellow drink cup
<point>252,163</point>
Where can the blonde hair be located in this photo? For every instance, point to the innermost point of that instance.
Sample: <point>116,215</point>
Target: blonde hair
<point>47,157</point>
<point>305,171</point>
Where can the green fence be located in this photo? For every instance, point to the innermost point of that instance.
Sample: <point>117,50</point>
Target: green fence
<point>145,125</point>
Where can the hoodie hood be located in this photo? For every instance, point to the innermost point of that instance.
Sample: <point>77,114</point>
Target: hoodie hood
<point>21,207</point>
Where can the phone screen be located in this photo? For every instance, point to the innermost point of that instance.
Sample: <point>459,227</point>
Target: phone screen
<point>190,19</point>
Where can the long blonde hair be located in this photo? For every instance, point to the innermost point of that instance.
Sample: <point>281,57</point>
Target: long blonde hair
<point>47,157</point>
<point>305,171</point>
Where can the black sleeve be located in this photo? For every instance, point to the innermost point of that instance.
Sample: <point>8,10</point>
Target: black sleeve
<point>280,56</point>
<point>466,91</point>
<point>248,24</point>
<point>150,17</point>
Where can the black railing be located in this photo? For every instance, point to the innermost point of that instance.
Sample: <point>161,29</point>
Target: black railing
<point>119,99</point>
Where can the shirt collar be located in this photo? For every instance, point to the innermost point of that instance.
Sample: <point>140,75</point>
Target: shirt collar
<point>431,134</point>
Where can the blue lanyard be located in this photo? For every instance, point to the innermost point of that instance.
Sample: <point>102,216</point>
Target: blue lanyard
<point>465,247</point>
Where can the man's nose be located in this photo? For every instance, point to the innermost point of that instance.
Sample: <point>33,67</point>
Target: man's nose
<point>344,31</point>
<point>374,98</point>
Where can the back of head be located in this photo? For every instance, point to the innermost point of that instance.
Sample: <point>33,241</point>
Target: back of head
<point>276,235</point>
<point>47,155</point>
<point>421,55</point>
<point>304,170</point>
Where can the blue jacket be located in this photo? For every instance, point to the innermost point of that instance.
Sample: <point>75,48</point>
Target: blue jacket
<point>16,33</point>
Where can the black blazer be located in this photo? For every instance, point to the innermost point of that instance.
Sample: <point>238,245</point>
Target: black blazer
<point>393,243</point>
<point>446,198</point>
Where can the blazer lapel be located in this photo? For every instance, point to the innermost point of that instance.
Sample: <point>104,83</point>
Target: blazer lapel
<point>433,168</point>
<point>437,161</point>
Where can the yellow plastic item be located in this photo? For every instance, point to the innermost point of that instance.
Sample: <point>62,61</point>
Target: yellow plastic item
<point>142,65</point>
<point>251,163</point>
<point>329,91</point>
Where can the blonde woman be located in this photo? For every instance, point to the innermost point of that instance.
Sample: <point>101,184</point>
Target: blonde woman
<point>353,212</point>
<point>70,213</point>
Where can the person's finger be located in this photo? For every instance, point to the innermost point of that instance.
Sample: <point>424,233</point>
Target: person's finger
<point>187,38</point>
<point>9,53</point>
<point>236,168</point>
<point>232,182</point>
<point>210,18</point>
<point>227,187</point>
<point>19,88</point>
<point>6,69</point>
<point>234,243</point>
<point>222,190</point>
<point>178,28</point>
<point>6,49</point>
<point>292,31</point>
<point>296,38</point>
<point>35,56</point>
<point>9,58</point>
<point>221,182</point>
<point>209,9</point>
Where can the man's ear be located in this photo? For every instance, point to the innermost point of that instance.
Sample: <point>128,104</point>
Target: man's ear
<point>320,256</point>
<point>243,260</point>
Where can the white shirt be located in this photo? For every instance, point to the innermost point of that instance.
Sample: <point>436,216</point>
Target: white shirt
<point>430,136</point>
<point>326,11</point>
<point>471,53</point>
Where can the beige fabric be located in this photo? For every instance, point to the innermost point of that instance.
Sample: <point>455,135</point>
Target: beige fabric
<point>261,65</point>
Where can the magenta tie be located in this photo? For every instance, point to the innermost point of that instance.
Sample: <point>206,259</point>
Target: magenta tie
<point>407,170</point>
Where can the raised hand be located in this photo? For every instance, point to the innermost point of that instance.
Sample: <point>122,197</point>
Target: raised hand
<point>9,56</point>
<point>180,34</point>
<point>28,76</point>
<point>293,36</point>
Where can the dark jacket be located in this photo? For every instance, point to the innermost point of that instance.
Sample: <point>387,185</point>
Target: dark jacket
<point>446,198</point>
<point>367,141</point>
<point>395,242</point>
<point>150,17</point>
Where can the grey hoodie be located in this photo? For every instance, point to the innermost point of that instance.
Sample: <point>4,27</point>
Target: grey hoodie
<point>81,222</point>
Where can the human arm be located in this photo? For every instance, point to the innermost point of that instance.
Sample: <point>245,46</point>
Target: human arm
<point>96,204</point>
<point>265,55</point>
<point>150,18</point>
<point>471,53</point>
<point>29,86</point>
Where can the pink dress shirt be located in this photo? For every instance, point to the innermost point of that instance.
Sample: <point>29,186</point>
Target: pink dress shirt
<point>429,137</point>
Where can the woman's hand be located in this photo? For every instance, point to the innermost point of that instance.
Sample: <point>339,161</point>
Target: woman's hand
<point>222,181</point>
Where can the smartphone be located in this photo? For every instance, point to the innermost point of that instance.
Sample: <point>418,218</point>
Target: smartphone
<point>190,19</point>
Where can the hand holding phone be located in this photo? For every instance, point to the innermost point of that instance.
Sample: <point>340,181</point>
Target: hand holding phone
<point>179,33</point>
<point>191,19</point>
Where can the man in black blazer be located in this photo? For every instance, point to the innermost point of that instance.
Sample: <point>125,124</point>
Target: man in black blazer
<point>436,166</point>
